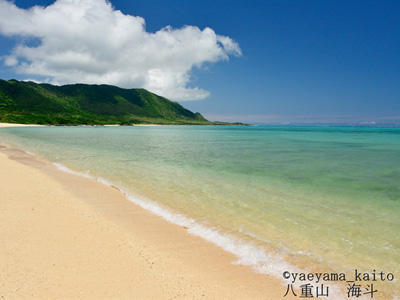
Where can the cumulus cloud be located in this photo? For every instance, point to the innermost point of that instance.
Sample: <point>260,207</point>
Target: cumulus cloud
<point>89,41</point>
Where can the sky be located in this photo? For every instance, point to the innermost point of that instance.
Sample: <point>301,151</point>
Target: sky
<point>253,61</point>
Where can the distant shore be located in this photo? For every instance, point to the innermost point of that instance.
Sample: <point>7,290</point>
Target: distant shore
<point>18,125</point>
<point>68,237</point>
<point>111,125</point>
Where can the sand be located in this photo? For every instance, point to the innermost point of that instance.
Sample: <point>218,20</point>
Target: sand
<point>67,237</point>
<point>18,125</point>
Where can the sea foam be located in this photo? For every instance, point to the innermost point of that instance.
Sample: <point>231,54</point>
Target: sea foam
<point>246,252</point>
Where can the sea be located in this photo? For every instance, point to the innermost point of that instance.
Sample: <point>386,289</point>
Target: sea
<point>281,198</point>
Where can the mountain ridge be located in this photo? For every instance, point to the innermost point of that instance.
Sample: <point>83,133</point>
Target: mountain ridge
<point>89,104</point>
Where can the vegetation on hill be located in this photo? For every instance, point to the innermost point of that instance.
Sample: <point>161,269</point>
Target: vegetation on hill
<point>75,104</point>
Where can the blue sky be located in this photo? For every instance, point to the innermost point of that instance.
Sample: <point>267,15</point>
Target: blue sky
<point>302,61</point>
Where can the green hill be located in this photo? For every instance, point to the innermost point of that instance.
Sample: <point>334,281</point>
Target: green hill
<point>29,102</point>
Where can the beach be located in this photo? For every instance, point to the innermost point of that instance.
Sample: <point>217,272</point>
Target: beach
<point>4,125</point>
<point>68,237</point>
<point>186,211</point>
<point>199,150</point>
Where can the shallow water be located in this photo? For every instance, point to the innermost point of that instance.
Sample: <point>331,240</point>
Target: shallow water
<point>321,197</point>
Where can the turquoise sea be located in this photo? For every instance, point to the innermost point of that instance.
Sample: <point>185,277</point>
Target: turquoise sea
<point>317,198</point>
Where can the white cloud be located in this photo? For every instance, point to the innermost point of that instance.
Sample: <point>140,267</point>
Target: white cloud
<point>89,41</point>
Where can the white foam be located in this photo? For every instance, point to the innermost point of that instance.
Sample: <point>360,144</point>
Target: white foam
<point>82,174</point>
<point>247,253</point>
<point>68,170</point>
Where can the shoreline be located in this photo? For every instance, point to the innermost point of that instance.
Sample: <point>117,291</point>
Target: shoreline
<point>248,256</point>
<point>4,125</point>
<point>169,262</point>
